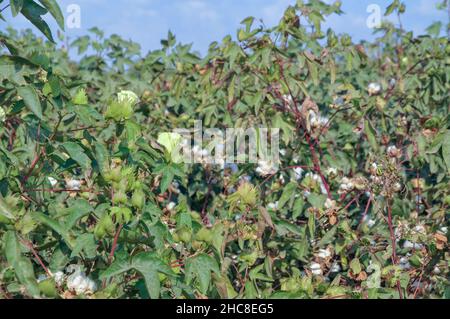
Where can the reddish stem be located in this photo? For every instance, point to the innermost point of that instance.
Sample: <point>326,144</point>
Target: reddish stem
<point>30,246</point>
<point>114,245</point>
<point>317,165</point>
<point>33,165</point>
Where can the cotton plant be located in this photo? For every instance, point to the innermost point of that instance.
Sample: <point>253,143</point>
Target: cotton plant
<point>99,201</point>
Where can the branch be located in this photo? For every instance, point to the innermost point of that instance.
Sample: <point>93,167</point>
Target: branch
<point>4,8</point>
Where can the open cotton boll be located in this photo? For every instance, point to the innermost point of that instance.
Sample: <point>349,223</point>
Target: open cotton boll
<point>52,181</point>
<point>404,263</point>
<point>335,268</point>
<point>273,206</point>
<point>408,244</point>
<point>79,282</point>
<point>316,269</point>
<point>393,151</point>
<point>298,173</point>
<point>265,168</point>
<point>73,184</point>
<point>374,88</point>
<point>171,206</point>
<point>329,203</point>
<point>59,278</point>
<point>331,171</point>
<point>324,253</point>
<point>2,115</point>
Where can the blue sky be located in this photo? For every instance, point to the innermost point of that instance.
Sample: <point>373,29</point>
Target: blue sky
<point>203,21</point>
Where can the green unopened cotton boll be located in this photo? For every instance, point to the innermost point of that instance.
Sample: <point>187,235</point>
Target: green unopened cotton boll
<point>119,111</point>
<point>104,226</point>
<point>138,199</point>
<point>99,231</point>
<point>185,235</point>
<point>48,288</point>
<point>122,214</point>
<point>205,235</point>
<point>120,198</point>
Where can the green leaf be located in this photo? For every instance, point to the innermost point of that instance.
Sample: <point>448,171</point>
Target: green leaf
<point>167,178</point>
<point>371,135</point>
<point>54,225</point>
<point>316,200</point>
<point>77,210</point>
<point>288,192</point>
<point>33,12</point>
<point>16,6</point>
<point>148,265</point>
<point>446,150</point>
<point>76,152</point>
<point>54,9</point>
<point>5,211</point>
<point>22,266</point>
<point>85,243</point>
<point>31,99</point>
<point>435,29</point>
<point>201,267</point>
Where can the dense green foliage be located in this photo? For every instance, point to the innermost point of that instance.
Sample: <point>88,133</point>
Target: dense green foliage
<point>92,206</point>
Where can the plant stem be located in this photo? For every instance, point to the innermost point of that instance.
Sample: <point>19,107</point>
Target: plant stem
<point>393,242</point>
<point>114,245</point>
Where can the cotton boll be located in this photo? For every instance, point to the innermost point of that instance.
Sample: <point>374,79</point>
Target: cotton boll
<point>52,181</point>
<point>265,168</point>
<point>420,229</point>
<point>332,171</point>
<point>335,268</point>
<point>397,187</point>
<point>171,206</point>
<point>408,244</point>
<point>392,82</point>
<point>393,151</point>
<point>75,280</point>
<point>2,115</point>
<point>298,173</point>
<point>323,189</point>
<point>79,282</point>
<point>329,203</point>
<point>73,184</point>
<point>91,286</point>
<point>59,278</point>
<point>374,88</point>
<point>273,206</point>
<point>324,253</point>
<point>404,263</point>
<point>316,269</point>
